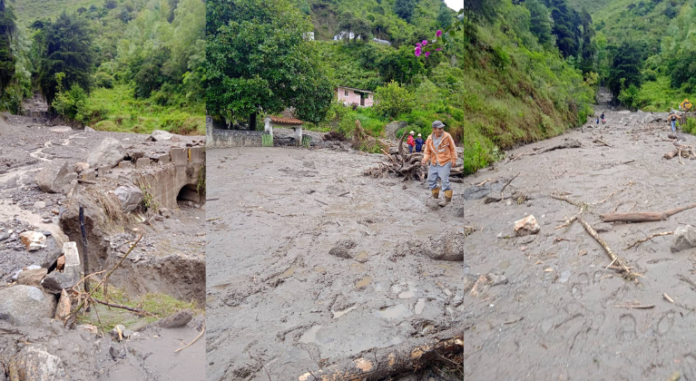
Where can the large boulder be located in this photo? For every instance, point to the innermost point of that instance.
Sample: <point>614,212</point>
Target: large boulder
<point>108,153</point>
<point>161,135</point>
<point>25,305</point>
<point>684,238</point>
<point>55,177</point>
<point>130,197</point>
<point>36,364</point>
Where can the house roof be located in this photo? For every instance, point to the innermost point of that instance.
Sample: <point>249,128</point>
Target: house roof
<point>288,121</point>
<point>352,88</point>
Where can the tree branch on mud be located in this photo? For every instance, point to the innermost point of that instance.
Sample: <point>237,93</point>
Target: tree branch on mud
<point>384,363</point>
<point>648,239</point>
<point>643,216</point>
<point>612,255</point>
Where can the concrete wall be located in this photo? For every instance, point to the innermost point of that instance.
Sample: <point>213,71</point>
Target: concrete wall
<point>233,138</point>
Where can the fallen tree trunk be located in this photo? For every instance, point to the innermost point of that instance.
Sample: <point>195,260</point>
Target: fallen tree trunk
<point>384,363</point>
<point>570,144</point>
<point>607,249</point>
<point>643,216</point>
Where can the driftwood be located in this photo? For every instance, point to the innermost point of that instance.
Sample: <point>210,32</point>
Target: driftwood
<point>570,144</point>
<point>648,239</point>
<point>643,216</point>
<point>385,363</point>
<point>610,253</point>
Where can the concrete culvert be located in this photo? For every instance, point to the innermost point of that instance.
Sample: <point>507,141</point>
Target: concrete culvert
<point>189,192</point>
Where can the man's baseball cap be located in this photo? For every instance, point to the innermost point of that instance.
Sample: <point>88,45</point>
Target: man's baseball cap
<point>438,124</point>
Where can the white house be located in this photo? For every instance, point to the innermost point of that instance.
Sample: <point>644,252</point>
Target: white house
<point>343,35</point>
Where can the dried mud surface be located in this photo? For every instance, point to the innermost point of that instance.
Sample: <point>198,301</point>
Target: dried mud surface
<point>309,262</point>
<point>561,315</point>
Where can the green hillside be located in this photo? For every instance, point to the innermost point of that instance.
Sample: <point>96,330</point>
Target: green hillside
<point>138,66</point>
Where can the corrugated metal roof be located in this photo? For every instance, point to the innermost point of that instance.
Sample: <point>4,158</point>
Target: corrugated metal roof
<point>352,88</point>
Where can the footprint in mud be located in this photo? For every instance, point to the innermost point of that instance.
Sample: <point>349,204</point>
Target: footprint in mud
<point>576,290</point>
<point>666,323</point>
<point>583,278</point>
<point>597,276</point>
<point>690,367</point>
<point>628,327</point>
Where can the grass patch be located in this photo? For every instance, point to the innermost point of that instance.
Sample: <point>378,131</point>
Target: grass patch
<point>117,110</point>
<point>159,305</point>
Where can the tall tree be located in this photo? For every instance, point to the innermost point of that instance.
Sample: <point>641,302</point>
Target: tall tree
<point>65,46</point>
<point>444,17</point>
<point>405,9</point>
<point>541,22</point>
<point>7,59</point>
<point>626,65</point>
<point>257,59</point>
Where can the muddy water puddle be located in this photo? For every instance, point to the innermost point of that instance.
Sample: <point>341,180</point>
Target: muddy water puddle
<point>310,336</point>
<point>398,311</point>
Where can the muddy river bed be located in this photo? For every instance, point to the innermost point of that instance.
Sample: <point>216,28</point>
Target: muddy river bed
<point>561,314</point>
<point>305,265</point>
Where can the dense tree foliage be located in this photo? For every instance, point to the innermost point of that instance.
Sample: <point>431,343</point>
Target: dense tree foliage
<point>7,58</point>
<point>405,8</point>
<point>259,61</point>
<point>64,46</point>
<point>627,62</point>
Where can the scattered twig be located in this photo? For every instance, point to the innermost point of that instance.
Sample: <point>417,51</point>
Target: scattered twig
<point>602,142</point>
<point>636,306</point>
<point>644,216</point>
<point>81,181</point>
<point>194,340</point>
<point>668,298</point>
<point>502,194</point>
<point>343,194</point>
<point>213,219</point>
<point>321,202</point>
<point>89,295</point>
<point>648,239</point>
<point>141,312</point>
<point>580,205</point>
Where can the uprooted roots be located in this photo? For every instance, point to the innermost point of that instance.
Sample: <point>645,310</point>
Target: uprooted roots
<point>407,165</point>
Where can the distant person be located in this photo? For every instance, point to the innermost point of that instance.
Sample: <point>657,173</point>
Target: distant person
<point>419,143</point>
<point>604,121</point>
<point>597,120</point>
<point>411,142</point>
<point>673,121</point>
<point>441,153</point>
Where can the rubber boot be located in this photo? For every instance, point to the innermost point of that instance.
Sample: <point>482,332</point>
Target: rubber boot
<point>447,199</point>
<point>435,192</point>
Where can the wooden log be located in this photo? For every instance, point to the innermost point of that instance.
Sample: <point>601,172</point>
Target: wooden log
<point>643,216</point>
<point>385,363</point>
<point>671,154</point>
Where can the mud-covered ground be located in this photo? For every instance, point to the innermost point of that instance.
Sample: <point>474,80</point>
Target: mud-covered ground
<point>25,147</point>
<point>561,315</point>
<point>279,305</point>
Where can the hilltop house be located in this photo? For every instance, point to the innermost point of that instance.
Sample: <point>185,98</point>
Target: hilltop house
<point>349,96</point>
<point>344,34</point>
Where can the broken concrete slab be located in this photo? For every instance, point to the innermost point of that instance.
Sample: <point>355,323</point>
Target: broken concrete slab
<point>25,305</point>
<point>447,246</point>
<point>160,135</point>
<point>54,177</point>
<point>161,158</point>
<point>56,281</point>
<point>109,152</point>
<point>143,162</point>
<point>89,175</point>
<point>179,156</point>
<point>130,197</point>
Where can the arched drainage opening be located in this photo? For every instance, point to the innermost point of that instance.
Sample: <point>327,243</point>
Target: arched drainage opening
<point>189,194</point>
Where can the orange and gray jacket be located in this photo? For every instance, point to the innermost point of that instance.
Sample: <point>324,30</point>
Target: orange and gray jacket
<point>441,155</point>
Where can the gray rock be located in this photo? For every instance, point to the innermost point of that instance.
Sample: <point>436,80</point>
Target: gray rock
<point>130,197</point>
<point>55,177</point>
<point>109,152</point>
<point>177,320</point>
<point>447,246</point>
<point>25,305</point>
<point>31,277</point>
<point>342,249</point>
<point>4,236</point>
<point>161,135</point>
<point>47,256</point>
<point>36,364</point>
<point>684,238</point>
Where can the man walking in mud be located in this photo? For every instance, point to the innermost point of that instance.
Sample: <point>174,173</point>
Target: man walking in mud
<point>441,153</point>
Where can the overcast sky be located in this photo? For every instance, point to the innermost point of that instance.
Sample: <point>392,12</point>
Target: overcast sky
<point>455,4</point>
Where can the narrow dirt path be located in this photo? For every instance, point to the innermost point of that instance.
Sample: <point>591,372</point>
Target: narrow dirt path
<point>562,314</point>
